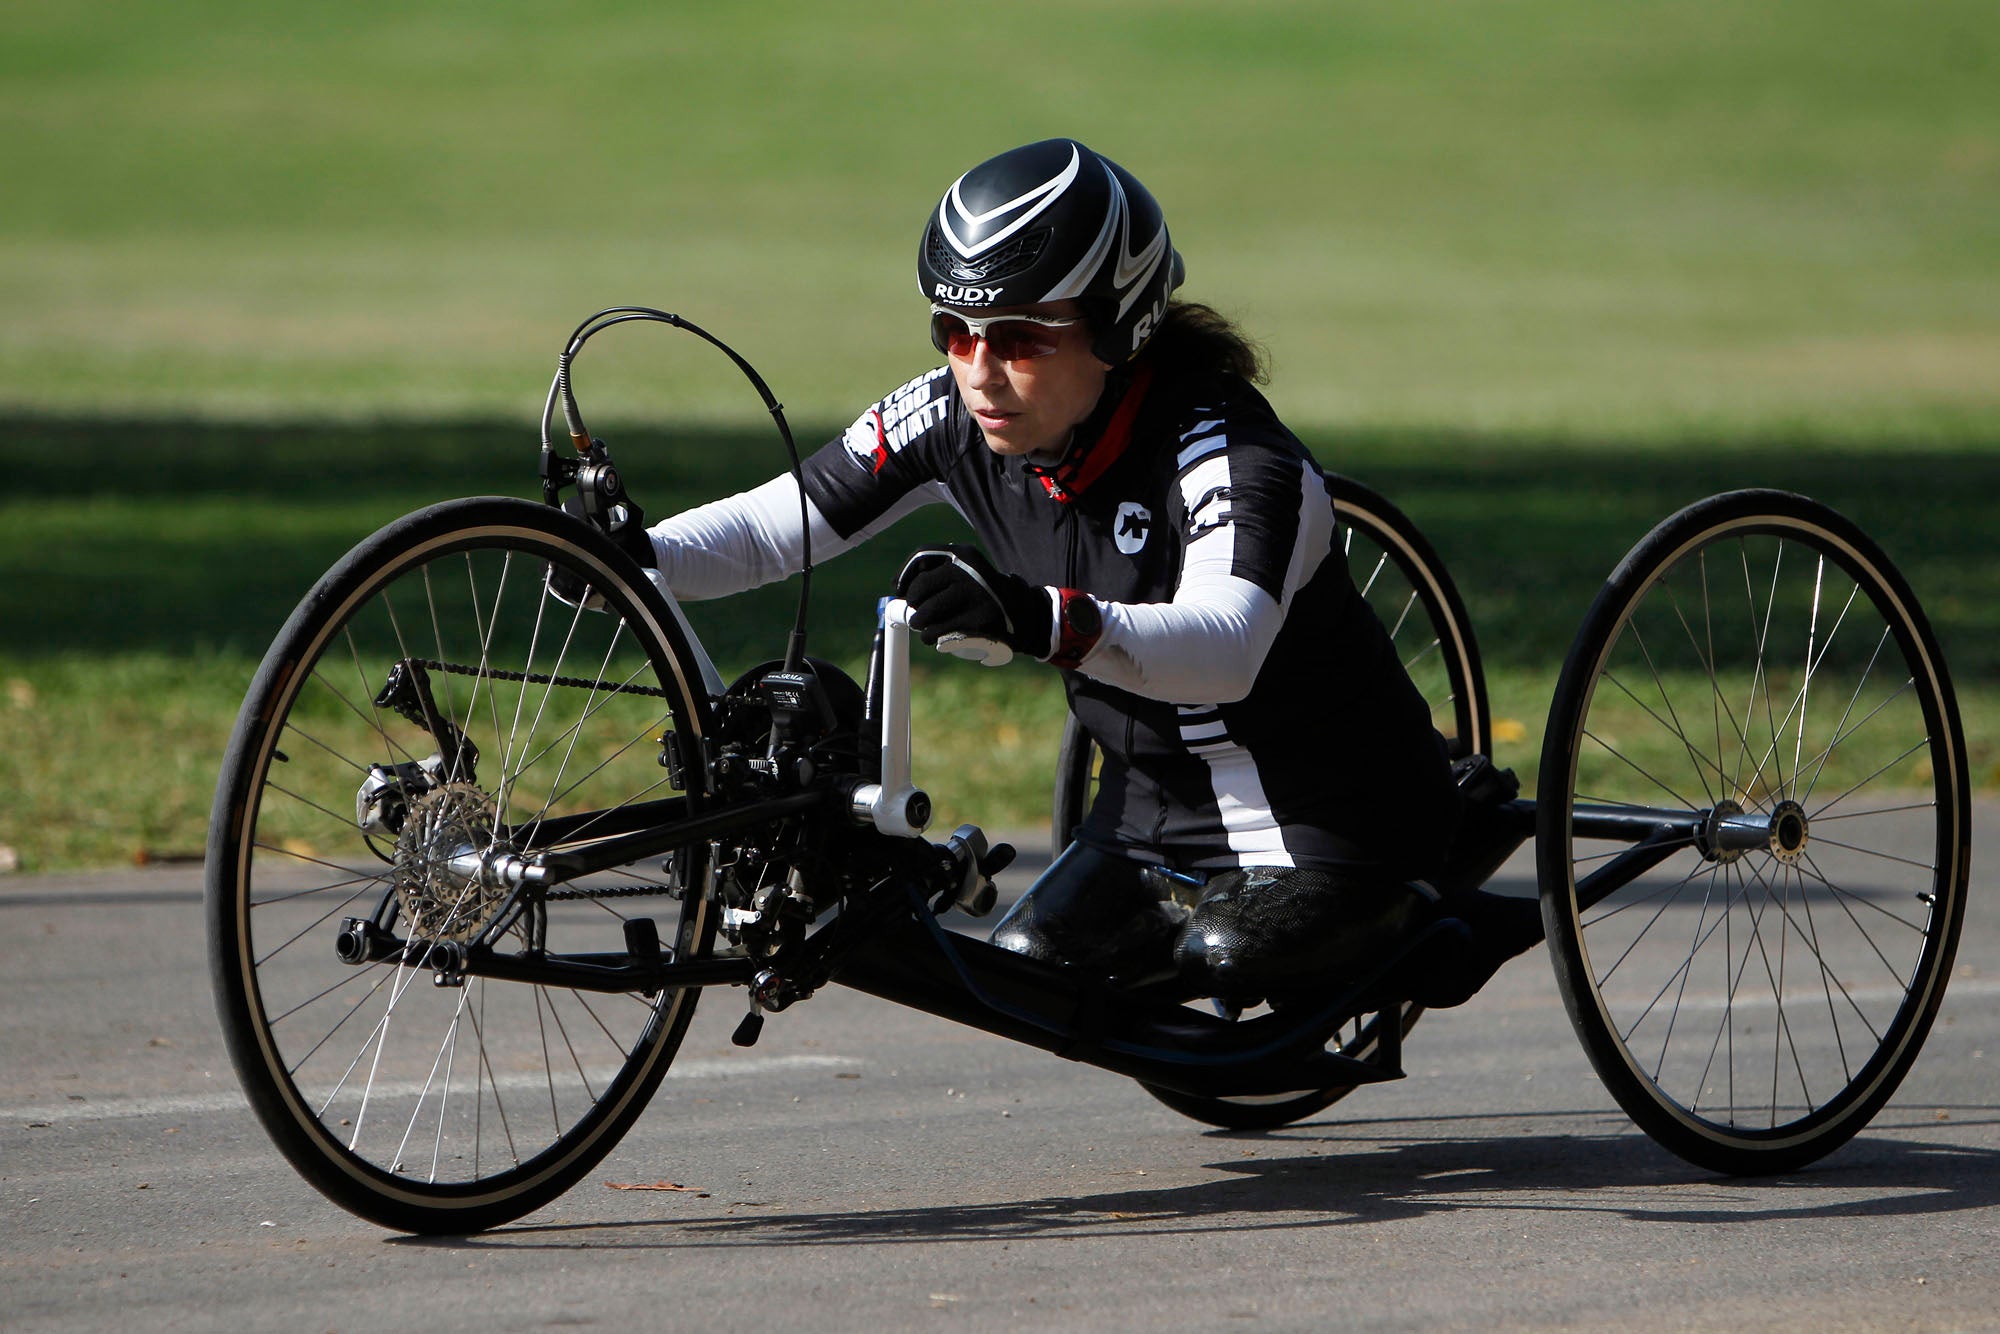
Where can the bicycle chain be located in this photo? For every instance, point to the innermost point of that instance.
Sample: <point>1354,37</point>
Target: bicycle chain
<point>539,679</point>
<point>567,894</point>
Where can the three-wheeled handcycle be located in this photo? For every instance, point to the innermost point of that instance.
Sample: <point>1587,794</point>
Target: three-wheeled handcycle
<point>491,822</point>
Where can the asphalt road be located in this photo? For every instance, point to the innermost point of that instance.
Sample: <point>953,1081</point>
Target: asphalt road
<point>867,1167</point>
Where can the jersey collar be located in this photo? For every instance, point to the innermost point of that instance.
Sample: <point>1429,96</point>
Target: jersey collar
<point>1092,452</point>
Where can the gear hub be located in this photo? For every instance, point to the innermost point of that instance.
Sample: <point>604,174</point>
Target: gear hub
<point>438,901</point>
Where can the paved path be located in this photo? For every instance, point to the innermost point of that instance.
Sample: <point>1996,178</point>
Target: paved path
<point>871,1168</point>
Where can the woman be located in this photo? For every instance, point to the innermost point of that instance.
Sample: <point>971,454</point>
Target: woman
<point>1149,527</point>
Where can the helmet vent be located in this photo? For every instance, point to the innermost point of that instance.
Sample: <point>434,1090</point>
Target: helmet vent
<point>1009,259</point>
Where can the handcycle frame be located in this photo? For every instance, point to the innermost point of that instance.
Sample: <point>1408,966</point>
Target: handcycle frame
<point>817,805</point>
<point>892,945</point>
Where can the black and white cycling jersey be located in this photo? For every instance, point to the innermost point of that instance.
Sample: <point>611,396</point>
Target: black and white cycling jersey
<point>1250,708</point>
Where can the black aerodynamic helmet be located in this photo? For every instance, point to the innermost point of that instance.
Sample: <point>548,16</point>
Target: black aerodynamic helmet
<point>1054,221</point>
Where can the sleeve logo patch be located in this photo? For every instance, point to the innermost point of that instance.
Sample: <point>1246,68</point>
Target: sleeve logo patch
<point>867,441</point>
<point>898,419</point>
<point>1132,526</point>
<point>1211,511</point>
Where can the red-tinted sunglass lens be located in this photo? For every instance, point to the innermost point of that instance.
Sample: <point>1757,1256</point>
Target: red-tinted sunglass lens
<point>1019,340</point>
<point>1010,340</point>
<point>950,336</point>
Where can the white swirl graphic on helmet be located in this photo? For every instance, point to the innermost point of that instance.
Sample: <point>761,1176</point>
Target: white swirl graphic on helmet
<point>1135,271</point>
<point>1130,273</point>
<point>1031,204</point>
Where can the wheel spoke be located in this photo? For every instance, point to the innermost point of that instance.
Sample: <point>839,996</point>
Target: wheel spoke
<point>1826,717</point>
<point>1680,734</point>
<point>392,1066</point>
<point>1632,764</point>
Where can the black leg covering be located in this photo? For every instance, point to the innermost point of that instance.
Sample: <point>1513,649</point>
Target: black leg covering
<point>1264,932</point>
<point>1094,910</point>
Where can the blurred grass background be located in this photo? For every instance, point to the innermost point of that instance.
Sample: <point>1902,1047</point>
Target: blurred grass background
<point>1540,269</point>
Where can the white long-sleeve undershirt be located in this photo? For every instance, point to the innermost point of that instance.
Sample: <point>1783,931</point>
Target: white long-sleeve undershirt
<point>1205,645</point>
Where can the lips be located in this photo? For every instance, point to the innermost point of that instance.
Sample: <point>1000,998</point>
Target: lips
<point>992,420</point>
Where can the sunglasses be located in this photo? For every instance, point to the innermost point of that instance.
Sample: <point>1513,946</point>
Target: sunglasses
<point>1008,337</point>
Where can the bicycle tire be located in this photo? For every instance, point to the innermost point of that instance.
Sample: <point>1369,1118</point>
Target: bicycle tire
<point>1270,1111</point>
<point>1752,1004</point>
<point>358,1072</point>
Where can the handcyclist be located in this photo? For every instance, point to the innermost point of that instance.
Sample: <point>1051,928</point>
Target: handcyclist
<point>1271,783</point>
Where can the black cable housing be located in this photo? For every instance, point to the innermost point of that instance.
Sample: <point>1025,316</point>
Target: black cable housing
<point>561,392</point>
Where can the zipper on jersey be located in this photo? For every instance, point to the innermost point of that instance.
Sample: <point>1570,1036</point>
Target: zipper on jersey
<point>1069,556</point>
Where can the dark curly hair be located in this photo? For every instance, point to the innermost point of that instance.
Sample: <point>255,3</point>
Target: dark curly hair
<point>1197,341</point>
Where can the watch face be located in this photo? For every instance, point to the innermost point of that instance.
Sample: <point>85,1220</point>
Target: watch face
<point>1082,616</point>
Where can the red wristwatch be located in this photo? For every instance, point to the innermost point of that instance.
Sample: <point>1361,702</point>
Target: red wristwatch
<point>1079,624</point>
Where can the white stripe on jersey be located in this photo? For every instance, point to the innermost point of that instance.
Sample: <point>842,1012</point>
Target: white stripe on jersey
<point>1245,808</point>
<point>1314,542</point>
<point>1201,449</point>
<point>1202,480</point>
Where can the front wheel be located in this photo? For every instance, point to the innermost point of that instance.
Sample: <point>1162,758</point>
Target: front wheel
<point>1753,837</point>
<point>432,702</point>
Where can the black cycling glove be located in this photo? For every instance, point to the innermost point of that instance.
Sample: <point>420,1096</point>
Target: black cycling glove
<point>955,590</point>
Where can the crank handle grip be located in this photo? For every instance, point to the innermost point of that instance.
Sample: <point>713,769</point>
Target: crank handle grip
<point>985,652</point>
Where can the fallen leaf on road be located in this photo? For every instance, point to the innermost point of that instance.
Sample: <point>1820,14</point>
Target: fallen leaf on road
<point>695,1191</point>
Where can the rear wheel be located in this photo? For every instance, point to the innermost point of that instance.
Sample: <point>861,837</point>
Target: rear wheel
<point>1360,1041</point>
<point>1396,569</point>
<point>430,702</point>
<point>1756,700</point>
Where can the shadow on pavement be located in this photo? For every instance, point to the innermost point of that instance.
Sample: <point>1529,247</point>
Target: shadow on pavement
<point>1616,1173</point>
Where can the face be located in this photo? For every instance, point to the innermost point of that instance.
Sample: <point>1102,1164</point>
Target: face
<point>1028,407</point>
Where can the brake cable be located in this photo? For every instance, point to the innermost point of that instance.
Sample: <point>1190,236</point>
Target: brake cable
<point>560,391</point>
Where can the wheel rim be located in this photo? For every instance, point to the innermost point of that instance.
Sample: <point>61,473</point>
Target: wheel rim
<point>1405,588</point>
<point>459,1094</point>
<point>1771,978</point>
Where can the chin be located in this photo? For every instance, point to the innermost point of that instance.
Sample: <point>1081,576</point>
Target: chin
<point>1008,444</point>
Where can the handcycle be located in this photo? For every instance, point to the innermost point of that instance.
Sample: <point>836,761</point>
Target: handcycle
<point>491,822</point>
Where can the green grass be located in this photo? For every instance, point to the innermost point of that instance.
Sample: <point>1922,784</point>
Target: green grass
<point>144,567</point>
<point>1557,216</point>
<point>1540,269</point>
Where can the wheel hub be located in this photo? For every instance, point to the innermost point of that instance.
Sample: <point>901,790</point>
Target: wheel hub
<point>1790,831</point>
<point>1711,838</point>
<point>1729,832</point>
<point>439,899</point>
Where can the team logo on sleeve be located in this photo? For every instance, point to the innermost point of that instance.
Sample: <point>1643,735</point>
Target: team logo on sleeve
<point>867,441</point>
<point>898,419</point>
<point>1130,528</point>
<point>1212,510</point>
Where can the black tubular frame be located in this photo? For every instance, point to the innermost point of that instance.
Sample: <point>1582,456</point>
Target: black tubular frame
<point>888,942</point>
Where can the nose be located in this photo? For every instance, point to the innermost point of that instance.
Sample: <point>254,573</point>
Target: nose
<point>983,369</point>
